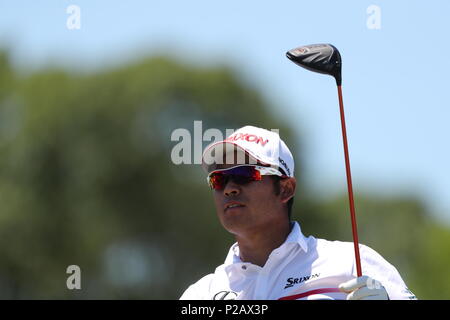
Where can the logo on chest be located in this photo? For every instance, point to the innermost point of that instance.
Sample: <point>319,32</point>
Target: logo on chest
<point>293,281</point>
<point>225,295</point>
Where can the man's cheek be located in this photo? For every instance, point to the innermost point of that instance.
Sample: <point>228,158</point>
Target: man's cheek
<point>218,202</point>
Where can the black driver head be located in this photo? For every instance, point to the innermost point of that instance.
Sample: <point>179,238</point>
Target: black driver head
<point>322,58</point>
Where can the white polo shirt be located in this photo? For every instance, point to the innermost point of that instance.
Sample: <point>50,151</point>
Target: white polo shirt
<point>300,269</point>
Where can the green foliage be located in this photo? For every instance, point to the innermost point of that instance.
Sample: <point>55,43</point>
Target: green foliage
<point>395,227</point>
<point>86,178</point>
<point>431,276</point>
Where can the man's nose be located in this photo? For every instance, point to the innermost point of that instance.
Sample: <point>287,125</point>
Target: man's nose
<point>231,189</point>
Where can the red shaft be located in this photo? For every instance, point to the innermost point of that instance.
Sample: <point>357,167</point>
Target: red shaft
<point>349,185</point>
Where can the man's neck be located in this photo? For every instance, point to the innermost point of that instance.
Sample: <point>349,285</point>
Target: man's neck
<point>257,247</point>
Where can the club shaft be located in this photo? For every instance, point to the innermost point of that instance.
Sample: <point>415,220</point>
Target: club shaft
<point>349,185</point>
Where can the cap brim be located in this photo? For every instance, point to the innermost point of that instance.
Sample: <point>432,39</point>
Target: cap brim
<point>222,152</point>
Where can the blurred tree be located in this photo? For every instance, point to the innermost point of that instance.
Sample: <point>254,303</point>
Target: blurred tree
<point>395,227</point>
<point>86,178</point>
<point>430,268</point>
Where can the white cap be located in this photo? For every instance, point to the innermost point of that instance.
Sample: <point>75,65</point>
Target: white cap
<point>261,145</point>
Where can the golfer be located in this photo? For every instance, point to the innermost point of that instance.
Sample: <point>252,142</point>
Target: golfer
<point>251,174</point>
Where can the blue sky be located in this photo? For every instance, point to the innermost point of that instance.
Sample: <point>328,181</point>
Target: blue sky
<point>394,79</point>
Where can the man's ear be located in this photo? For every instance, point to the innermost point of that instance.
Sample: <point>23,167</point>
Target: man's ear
<point>287,189</point>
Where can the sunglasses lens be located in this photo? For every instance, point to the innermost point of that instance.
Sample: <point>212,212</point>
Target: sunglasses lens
<point>216,180</point>
<point>239,175</point>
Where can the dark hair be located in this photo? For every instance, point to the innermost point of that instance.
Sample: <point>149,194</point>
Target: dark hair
<point>276,185</point>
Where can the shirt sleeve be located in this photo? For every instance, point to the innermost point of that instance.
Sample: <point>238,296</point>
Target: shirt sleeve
<point>190,294</point>
<point>376,267</point>
<point>199,290</point>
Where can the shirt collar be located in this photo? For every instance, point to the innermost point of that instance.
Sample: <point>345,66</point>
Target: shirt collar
<point>295,236</point>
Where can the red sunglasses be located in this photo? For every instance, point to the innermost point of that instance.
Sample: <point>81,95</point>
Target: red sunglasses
<point>241,175</point>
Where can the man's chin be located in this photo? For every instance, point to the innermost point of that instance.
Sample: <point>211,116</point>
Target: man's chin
<point>237,225</point>
<point>233,223</point>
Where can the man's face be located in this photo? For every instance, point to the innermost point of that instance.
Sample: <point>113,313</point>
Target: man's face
<point>258,206</point>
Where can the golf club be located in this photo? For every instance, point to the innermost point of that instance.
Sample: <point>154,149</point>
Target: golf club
<point>326,59</point>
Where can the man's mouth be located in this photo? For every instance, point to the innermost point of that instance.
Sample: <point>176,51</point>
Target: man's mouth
<point>232,205</point>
